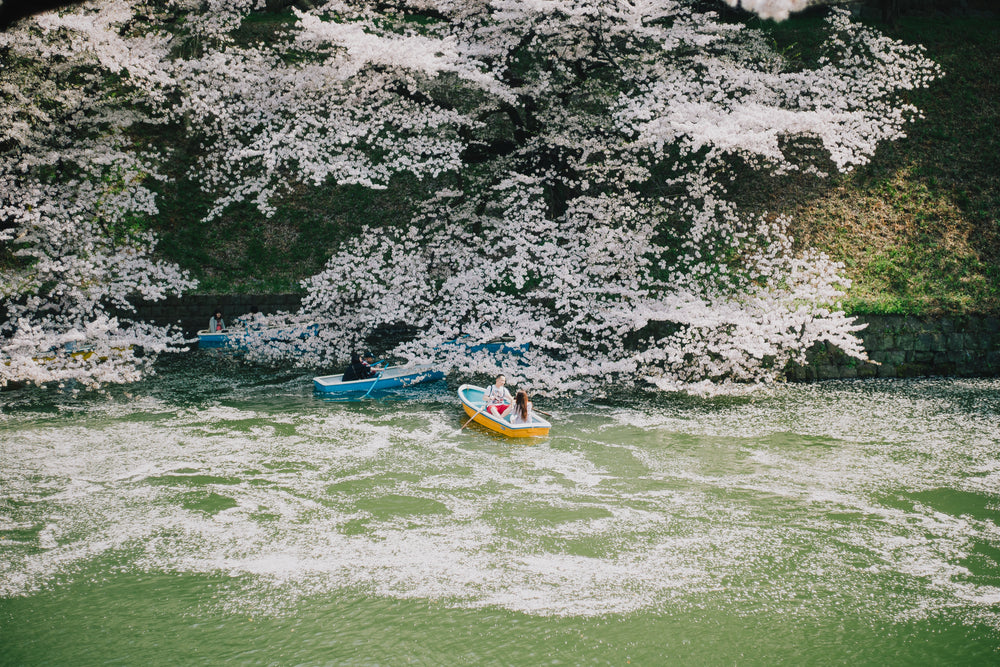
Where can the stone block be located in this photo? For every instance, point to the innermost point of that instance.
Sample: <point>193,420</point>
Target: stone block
<point>895,357</point>
<point>992,360</point>
<point>868,370</point>
<point>956,341</point>
<point>912,370</point>
<point>798,373</point>
<point>958,356</point>
<point>827,372</point>
<point>876,323</point>
<point>978,341</point>
<point>878,355</point>
<point>873,340</point>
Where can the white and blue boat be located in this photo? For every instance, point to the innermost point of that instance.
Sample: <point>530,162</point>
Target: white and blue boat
<point>237,339</point>
<point>502,345</point>
<point>210,339</point>
<point>392,377</point>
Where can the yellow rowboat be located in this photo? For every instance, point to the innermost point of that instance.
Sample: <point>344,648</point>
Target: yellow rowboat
<point>472,400</point>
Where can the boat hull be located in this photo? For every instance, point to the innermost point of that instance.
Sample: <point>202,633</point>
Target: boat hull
<point>472,402</point>
<point>208,339</point>
<point>493,347</point>
<point>237,339</point>
<point>392,377</point>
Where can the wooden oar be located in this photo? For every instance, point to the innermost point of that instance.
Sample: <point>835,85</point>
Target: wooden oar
<point>474,416</point>
<point>541,412</point>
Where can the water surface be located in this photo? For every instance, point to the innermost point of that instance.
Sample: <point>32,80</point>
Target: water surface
<point>220,512</point>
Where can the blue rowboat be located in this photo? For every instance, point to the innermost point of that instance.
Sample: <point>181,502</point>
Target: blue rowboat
<point>207,339</point>
<point>472,401</point>
<point>496,346</point>
<point>390,378</point>
<point>237,338</point>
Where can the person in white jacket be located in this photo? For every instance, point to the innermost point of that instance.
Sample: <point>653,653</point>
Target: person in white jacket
<point>216,323</point>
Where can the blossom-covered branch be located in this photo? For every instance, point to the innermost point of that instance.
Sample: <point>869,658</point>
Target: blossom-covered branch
<point>74,198</point>
<point>585,141</point>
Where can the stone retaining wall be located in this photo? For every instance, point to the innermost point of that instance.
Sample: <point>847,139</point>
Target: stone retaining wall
<point>905,346</point>
<point>902,346</point>
<point>192,311</point>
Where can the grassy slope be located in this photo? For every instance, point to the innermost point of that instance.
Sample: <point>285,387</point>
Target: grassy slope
<point>917,228</point>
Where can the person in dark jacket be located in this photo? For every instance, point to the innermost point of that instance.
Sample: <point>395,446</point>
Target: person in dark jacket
<point>358,369</point>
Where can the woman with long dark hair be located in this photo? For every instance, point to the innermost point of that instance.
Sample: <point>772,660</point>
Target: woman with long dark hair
<point>521,412</point>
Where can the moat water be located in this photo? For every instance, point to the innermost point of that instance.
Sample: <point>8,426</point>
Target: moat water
<point>220,512</point>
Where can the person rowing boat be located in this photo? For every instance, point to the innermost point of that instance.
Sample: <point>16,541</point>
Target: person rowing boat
<point>497,397</point>
<point>359,369</point>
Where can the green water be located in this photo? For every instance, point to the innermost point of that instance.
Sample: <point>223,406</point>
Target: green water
<point>220,513</point>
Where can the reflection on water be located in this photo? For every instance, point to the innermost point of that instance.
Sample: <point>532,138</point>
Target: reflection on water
<point>852,513</point>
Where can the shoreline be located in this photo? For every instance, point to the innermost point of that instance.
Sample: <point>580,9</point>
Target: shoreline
<point>901,346</point>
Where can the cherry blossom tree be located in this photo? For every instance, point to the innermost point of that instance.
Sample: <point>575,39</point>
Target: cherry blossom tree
<point>590,218</point>
<point>586,146</point>
<point>74,200</point>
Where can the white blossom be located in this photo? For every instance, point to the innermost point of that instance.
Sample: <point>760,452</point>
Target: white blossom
<point>73,194</point>
<point>582,145</point>
<point>771,9</point>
